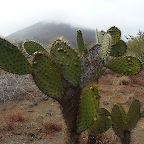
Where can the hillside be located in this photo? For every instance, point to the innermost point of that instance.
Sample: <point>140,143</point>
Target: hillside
<point>45,32</point>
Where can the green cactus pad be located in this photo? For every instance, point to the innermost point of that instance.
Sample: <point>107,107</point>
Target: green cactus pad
<point>118,117</point>
<point>80,43</point>
<point>115,33</point>
<point>105,48</point>
<point>31,47</point>
<point>125,65</point>
<point>46,76</point>
<point>103,112</point>
<point>12,59</point>
<point>88,107</point>
<point>133,115</point>
<point>67,60</point>
<point>118,49</point>
<point>99,36</point>
<point>101,125</point>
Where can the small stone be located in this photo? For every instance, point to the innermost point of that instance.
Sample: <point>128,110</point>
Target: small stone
<point>105,103</point>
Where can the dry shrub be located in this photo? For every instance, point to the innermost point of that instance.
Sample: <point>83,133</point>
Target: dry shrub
<point>50,127</point>
<point>11,119</point>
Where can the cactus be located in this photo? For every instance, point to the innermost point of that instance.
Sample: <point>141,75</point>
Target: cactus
<point>88,107</point>
<point>119,49</point>
<point>92,66</point>
<point>118,117</point>
<point>125,65</point>
<point>12,60</point>
<point>31,47</point>
<point>123,123</point>
<point>99,36</point>
<point>133,115</point>
<point>104,112</point>
<point>102,123</point>
<point>71,78</point>
<point>46,76</point>
<point>68,61</point>
<point>105,48</point>
<point>115,34</point>
<point>80,43</point>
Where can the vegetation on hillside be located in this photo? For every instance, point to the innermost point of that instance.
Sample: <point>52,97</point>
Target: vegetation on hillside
<point>136,45</point>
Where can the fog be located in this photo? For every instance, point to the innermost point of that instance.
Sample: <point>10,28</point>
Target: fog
<point>101,14</point>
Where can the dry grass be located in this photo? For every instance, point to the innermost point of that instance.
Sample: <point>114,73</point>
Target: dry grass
<point>50,127</point>
<point>11,119</point>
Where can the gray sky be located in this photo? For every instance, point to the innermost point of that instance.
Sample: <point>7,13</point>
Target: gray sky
<point>128,15</point>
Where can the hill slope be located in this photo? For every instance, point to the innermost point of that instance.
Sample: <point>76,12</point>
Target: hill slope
<point>46,32</point>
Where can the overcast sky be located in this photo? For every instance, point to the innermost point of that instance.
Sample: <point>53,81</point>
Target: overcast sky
<point>128,15</point>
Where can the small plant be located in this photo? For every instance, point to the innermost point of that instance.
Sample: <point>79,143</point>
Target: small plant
<point>50,127</point>
<point>135,45</point>
<point>13,118</point>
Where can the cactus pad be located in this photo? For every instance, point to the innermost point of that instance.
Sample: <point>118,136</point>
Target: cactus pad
<point>125,65</point>
<point>133,115</point>
<point>31,47</point>
<point>118,117</point>
<point>80,43</point>
<point>118,49</point>
<point>46,76</point>
<point>101,125</point>
<point>103,112</point>
<point>68,61</point>
<point>12,59</point>
<point>115,33</point>
<point>88,107</point>
<point>106,45</point>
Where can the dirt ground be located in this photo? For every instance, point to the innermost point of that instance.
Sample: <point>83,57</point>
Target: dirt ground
<point>25,121</point>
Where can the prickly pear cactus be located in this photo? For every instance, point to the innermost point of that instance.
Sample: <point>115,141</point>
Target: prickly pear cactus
<point>99,36</point>
<point>100,125</point>
<point>118,117</point>
<point>88,107</point>
<point>133,115</point>
<point>80,43</point>
<point>115,34</point>
<point>106,45</point>
<point>46,76</point>
<point>123,123</point>
<point>104,112</point>
<point>31,47</point>
<point>119,49</point>
<point>12,60</point>
<point>125,65</point>
<point>67,61</point>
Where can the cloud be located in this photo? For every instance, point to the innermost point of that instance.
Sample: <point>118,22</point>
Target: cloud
<point>101,14</point>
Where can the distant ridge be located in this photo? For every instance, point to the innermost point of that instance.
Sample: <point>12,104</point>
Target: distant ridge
<point>45,32</point>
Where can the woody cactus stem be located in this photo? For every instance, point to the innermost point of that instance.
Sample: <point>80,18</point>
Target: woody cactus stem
<point>91,138</point>
<point>127,137</point>
<point>69,104</point>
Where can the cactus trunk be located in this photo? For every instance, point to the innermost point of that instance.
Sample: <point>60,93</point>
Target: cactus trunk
<point>92,138</point>
<point>126,139</point>
<point>70,105</point>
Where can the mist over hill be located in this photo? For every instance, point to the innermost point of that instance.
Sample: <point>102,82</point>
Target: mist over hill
<point>45,32</point>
